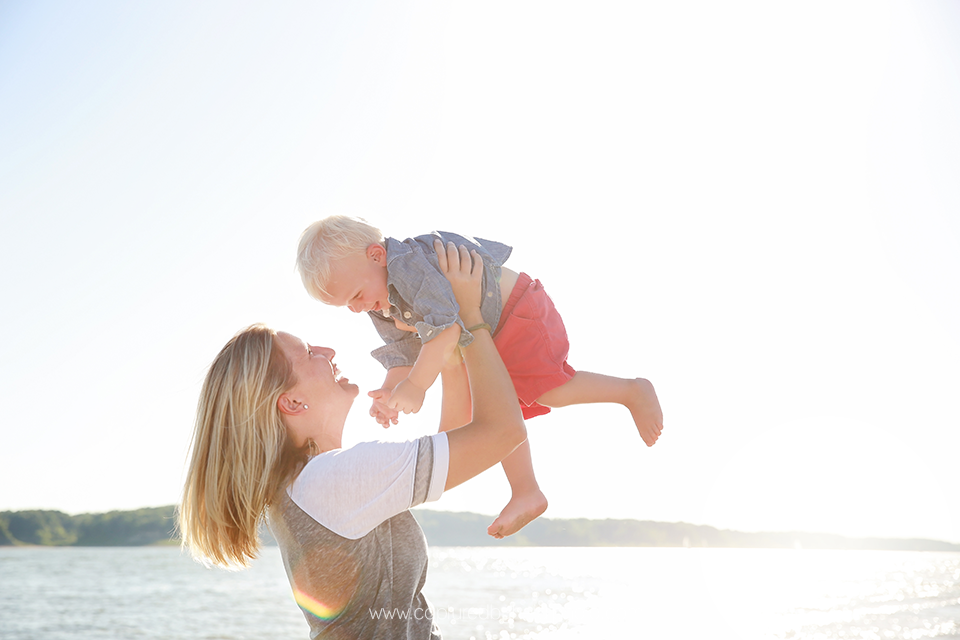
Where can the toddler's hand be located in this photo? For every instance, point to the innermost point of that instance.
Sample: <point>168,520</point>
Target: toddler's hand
<point>384,415</point>
<point>406,397</point>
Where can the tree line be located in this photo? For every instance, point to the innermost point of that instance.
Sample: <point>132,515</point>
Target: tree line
<point>156,526</point>
<point>113,529</point>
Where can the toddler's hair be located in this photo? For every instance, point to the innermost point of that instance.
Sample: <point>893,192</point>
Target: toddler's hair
<point>328,240</point>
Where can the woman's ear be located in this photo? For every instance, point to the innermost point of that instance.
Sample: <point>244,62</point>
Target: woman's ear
<point>289,406</point>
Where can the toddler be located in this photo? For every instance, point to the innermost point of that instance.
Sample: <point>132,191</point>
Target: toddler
<point>346,262</point>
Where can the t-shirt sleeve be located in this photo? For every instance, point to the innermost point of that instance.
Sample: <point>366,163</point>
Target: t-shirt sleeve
<point>352,491</point>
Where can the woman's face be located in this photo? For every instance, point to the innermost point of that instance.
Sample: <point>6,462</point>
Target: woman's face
<point>317,406</point>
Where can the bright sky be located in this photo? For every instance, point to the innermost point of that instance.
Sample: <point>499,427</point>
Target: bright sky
<point>754,205</point>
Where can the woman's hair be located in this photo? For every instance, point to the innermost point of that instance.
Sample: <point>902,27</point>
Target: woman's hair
<point>328,240</point>
<point>241,455</point>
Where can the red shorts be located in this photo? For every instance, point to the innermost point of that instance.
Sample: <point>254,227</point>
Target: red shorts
<point>533,343</point>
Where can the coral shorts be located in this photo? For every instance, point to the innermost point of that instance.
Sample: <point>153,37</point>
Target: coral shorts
<point>533,344</point>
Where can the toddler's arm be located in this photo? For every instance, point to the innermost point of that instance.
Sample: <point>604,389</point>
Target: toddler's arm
<point>408,395</point>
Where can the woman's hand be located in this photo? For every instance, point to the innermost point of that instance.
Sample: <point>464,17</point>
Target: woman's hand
<point>384,415</point>
<point>465,276</point>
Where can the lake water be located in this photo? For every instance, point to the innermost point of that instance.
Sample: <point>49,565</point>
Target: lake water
<point>487,593</point>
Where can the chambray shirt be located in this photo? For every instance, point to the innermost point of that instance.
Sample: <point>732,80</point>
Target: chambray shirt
<point>421,296</point>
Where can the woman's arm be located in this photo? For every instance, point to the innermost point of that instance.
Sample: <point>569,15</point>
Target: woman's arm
<point>409,393</point>
<point>497,426</point>
<point>455,410</point>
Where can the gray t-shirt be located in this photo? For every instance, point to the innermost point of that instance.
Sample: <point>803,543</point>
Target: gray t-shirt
<point>355,556</point>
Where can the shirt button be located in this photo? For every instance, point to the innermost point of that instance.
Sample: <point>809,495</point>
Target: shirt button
<point>407,314</point>
<point>489,294</point>
<point>430,333</point>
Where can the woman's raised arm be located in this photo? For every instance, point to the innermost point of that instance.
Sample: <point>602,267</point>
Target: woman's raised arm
<point>497,426</point>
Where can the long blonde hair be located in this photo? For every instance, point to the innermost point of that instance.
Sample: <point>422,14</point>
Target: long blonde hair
<point>241,454</point>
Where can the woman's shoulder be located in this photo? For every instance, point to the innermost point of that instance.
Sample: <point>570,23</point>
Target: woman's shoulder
<point>366,458</point>
<point>353,489</point>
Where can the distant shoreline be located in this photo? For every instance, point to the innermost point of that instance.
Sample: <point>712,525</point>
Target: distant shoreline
<point>155,526</point>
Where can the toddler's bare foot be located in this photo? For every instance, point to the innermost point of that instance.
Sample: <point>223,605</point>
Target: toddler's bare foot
<point>520,511</point>
<point>645,408</point>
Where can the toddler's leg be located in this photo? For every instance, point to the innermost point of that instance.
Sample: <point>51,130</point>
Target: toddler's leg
<point>527,503</point>
<point>636,394</point>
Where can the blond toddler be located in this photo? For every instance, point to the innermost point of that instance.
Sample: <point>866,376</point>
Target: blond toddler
<point>347,262</point>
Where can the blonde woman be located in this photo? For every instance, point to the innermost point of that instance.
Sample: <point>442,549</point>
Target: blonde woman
<point>268,446</point>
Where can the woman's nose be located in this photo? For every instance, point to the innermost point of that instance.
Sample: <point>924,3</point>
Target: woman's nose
<point>327,352</point>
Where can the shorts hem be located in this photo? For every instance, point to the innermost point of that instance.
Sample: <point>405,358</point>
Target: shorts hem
<point>543,384</point>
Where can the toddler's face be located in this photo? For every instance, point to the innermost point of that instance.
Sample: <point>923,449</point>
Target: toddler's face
<point>359,281</point>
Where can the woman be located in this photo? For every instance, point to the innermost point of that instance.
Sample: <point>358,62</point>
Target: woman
<point>268,442</point>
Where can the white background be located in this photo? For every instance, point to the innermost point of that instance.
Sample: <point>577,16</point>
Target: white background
<point>755,206</point>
